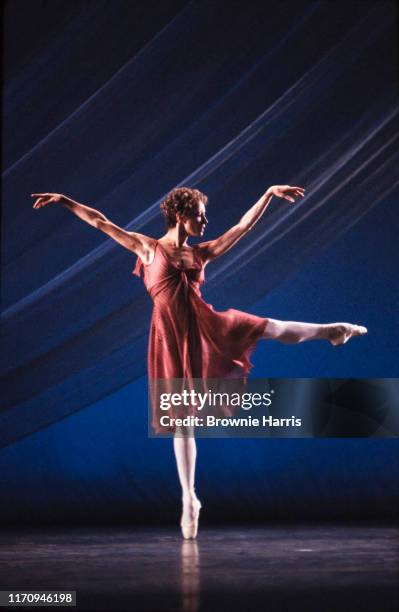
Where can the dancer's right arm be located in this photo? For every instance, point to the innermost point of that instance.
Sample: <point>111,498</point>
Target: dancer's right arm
<point>138,243</point>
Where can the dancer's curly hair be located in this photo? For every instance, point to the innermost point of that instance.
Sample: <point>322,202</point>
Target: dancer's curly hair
<point>182,201</point>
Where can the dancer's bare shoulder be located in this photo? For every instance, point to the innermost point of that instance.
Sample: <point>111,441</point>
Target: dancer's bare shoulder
<point>140,244</point>
<point>144,246</point>
<point>205,251</point>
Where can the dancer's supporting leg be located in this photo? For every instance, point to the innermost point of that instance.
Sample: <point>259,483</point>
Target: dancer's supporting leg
<point>292,332</point>
<point>186,454</point>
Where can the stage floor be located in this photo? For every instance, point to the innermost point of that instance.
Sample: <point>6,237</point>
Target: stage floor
<point>284,567</point>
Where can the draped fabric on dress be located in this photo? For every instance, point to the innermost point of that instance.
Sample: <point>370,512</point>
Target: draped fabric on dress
<point>188,338</point>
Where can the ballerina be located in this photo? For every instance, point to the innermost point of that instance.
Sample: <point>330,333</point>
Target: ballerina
<point>188,338</point>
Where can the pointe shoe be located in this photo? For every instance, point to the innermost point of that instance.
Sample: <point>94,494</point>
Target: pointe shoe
<point>342,332</point>
<point>190,530</point>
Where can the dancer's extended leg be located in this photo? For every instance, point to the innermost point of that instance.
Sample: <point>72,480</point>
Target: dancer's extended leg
<point>186,454</point>
<point>292,332</point>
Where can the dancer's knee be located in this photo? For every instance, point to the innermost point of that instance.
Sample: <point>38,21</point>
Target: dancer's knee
<point>184,432</point>
<point>273,329</point>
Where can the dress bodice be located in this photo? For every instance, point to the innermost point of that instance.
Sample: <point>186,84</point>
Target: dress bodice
<point>164,278</point>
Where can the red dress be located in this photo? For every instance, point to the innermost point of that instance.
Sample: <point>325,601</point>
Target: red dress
<point>188,338</point>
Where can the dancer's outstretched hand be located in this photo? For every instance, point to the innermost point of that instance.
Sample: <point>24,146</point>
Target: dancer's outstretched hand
<point>287,192</point>
<point>47,198</point>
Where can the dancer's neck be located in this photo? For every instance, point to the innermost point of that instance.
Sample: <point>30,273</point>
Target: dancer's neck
<point>176,236</point>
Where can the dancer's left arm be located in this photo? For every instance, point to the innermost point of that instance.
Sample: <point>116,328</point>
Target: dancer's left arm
<point>214,248</point>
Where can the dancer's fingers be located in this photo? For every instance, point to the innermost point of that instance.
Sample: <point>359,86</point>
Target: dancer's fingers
<point>39,203</point>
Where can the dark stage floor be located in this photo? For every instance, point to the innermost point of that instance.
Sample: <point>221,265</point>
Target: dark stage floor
<point>282,568</point>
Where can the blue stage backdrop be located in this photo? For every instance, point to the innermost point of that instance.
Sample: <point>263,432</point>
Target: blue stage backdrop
<point>115,103</point>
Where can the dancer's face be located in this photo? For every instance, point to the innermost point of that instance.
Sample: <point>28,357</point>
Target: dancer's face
<point>196,222</point>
